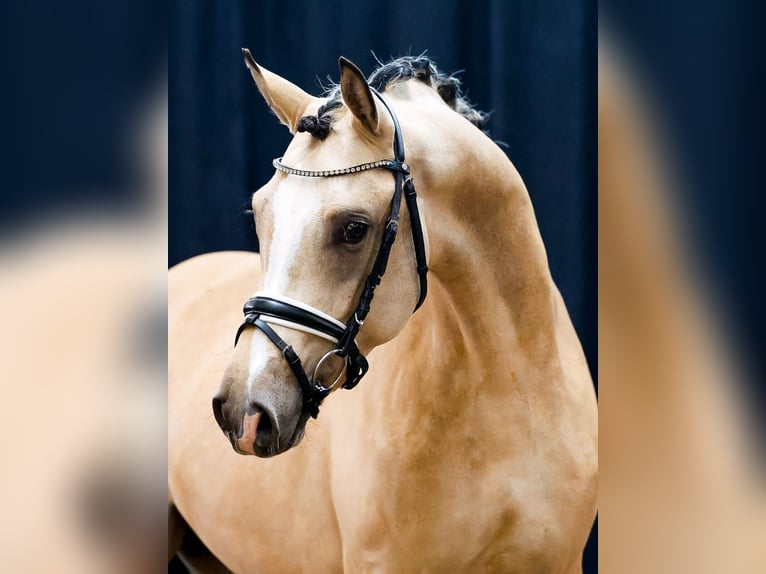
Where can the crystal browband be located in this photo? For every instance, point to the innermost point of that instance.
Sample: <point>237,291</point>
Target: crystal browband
<point>382,163</point>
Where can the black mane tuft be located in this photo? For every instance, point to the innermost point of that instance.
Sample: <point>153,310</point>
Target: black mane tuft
<point>401,69</point>
<point>425,70</point>
<point>320,124</point>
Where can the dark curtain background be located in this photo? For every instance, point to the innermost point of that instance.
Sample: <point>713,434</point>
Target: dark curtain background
<point>75,78</point>
<point>532,64</point>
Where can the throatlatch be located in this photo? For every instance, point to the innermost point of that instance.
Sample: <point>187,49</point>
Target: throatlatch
<point>262,309</point>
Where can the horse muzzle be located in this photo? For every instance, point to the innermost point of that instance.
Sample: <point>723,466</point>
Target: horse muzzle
<point>258,429</point>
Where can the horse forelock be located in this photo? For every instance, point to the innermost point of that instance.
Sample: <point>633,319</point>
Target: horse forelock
<point>387,75</point>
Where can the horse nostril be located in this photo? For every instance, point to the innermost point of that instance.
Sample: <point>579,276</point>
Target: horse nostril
<point>218,411</point>
<point>265,433</point>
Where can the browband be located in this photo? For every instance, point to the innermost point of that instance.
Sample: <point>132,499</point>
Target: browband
<point>262,308</point>
<point>381,163</point>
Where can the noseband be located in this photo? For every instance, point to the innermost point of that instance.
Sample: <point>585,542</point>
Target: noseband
<point>263,309</point>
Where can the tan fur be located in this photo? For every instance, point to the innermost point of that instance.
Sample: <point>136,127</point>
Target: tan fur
<point>471,445</point>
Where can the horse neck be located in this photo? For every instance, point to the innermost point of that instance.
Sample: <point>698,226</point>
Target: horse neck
<point>492,309</point>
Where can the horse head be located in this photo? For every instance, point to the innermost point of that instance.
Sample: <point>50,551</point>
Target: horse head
<point>321,239</point>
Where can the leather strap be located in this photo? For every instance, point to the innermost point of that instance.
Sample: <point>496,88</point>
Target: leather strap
<point>313,395</point>
<point>411,197</point>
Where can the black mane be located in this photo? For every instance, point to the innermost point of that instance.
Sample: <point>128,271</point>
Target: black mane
<point>425,70</point>
<point>401,69</point>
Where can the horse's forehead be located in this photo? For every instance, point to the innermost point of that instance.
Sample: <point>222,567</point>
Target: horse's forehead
<point>346,144</point>
<point>297,196</point>
<point>293,198</point>
<point>343,148</point>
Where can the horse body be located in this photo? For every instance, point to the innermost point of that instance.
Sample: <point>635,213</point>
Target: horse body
<point>470,445</point>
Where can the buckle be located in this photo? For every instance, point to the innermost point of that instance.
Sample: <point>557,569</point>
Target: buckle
<point>409,187</point>
<point>287,353</point>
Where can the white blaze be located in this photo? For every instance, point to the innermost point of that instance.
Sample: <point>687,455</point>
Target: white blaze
<point>258,357</point>
<point>293,212</point>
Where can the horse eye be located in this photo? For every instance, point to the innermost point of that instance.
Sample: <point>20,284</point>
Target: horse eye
<point>354,232</point>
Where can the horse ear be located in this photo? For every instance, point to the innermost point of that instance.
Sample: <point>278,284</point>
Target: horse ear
<point>357,95</point>
<point>286,100</point>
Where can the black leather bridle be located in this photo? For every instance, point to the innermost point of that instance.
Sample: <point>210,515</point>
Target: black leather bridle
<point>262,309</point>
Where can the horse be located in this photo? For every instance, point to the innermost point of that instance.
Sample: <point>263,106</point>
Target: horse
<point>471,443</point>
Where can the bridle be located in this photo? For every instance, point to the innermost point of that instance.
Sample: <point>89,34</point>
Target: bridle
<point>264,309</point>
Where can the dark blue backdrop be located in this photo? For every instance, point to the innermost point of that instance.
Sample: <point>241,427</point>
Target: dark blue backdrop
<point>532,64</point>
